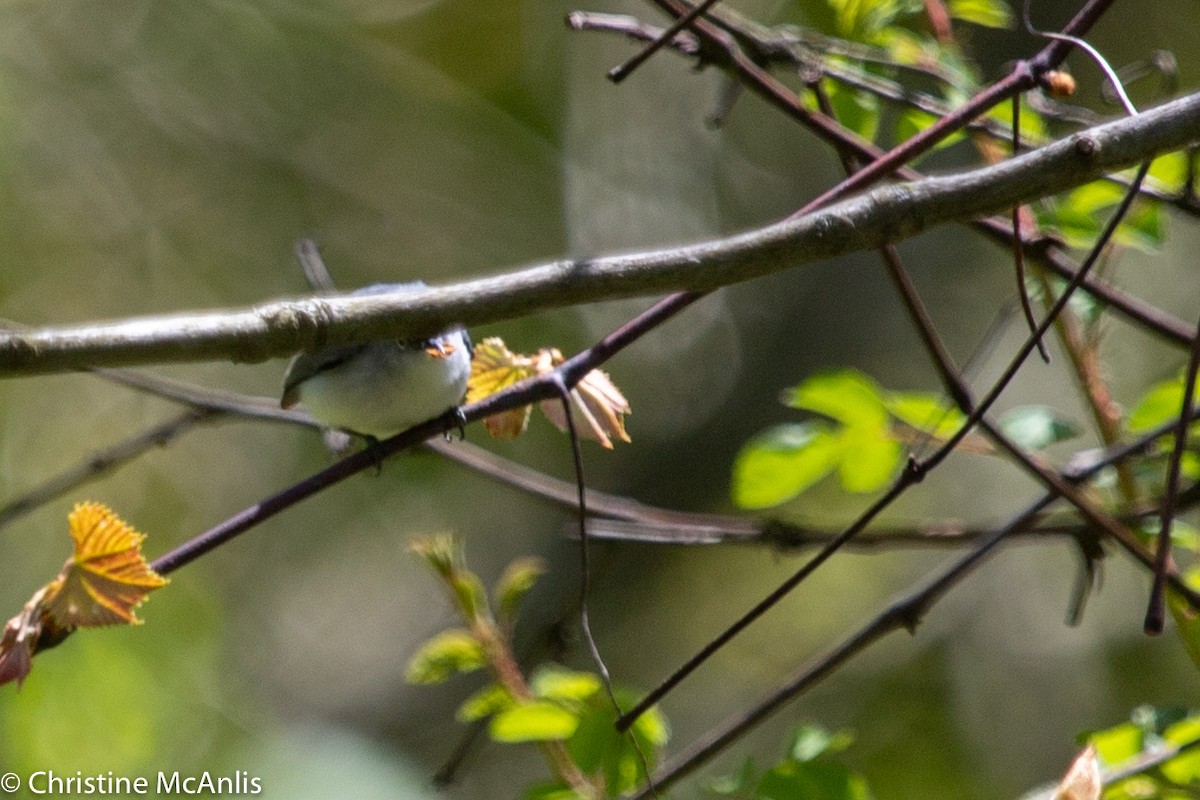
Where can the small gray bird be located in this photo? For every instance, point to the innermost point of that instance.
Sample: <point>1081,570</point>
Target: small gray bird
<point>380,388</point>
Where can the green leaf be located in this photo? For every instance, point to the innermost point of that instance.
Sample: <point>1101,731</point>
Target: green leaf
<point>1183,769</point>
<point>552,791</point>
<point>859,20</point>
<point>1037,427</point>
<point>439,551</point>
<point>847,396</point>
<point>1118,743</point>
<point>1170,170</point>
<point>553,682</point>
<point>1144,228</point>
<point>516,581</point>
<point>1079,215</point>
<point>539,721</point>
<point>1187,620</point>
<point>651,728</point>
<point>470,593</point>
<point>813,780</point>
<point>911,121</point>
<point>869,459</point>
<point>989,13</point>
<point>811,741</point>
<point>491,699</point>
<point>597,748</point>
<point>782,462</point>
<point>855,109</point>
<point>451,651</point>
<point>1162,402</point>
<point>925,412</point>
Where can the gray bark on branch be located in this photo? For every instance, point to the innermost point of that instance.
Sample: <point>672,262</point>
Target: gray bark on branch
<point>886,214</point>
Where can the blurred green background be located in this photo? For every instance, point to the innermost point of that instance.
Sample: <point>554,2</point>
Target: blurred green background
<point>161,155</point>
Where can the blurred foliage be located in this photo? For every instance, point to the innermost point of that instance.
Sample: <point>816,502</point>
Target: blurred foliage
<point>1151,733</point>
<point>860,431</point>
<point>809,771</point>
<point>164,155</point>
<point>567,711</point>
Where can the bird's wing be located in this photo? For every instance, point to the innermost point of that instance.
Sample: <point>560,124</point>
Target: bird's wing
<point>306,365</point>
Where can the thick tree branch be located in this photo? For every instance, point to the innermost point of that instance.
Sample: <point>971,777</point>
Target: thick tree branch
<point>884,215</point>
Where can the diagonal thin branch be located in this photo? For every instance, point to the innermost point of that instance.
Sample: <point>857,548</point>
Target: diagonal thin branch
<point>1154,614</point>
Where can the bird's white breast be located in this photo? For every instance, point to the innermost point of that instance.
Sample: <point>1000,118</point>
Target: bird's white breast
<point>385,388</point>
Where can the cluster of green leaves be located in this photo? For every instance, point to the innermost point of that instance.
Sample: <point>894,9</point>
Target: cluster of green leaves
<point>1162,403</point>
<point>897,35</point>
<point>807,772</point>
<point>891,23</point>
<point>1078,216</point>
<point>1148,733</point>
<point>555,707</point>
<point>897,32</point>
<point>858,431</point>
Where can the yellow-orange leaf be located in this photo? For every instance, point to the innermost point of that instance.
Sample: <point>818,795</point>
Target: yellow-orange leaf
<point>100,584</point>
<point>106,578</point>
<point>493,368</point>
<point>597,399</point>
<point>601,406</point>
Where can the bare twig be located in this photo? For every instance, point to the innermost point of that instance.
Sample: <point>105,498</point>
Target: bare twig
<point>623,71</point>
<point>102,462</point>
<point>1154,614</point>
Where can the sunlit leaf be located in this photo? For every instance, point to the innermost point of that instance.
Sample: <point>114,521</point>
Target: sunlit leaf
<point>1170,170</point>
<point>801,780</point>
<point>859,20</point>
<point>1144,227</point>
<point>102,583</point>
<point>925,412</point>
<point>781,462</point>
<point>469,591</point>
<point>449,652</point>
<point>1187,619</point>
<point>1161,402</point>
<point>599,406</point>
<point>989,13</point>
<point>652,728</point>
<point>869,459</point>
<point>538,721</point>
<point>811,741</point>
<point>1183,769</point>
<point>552,791</point>
<point>1118,743</point>
<point>1078,216</point>
<point>1036,427</point>
<point>106,578</point>
<point>557,683</point>
<point>516,580</point>
<point>847,396</point>
<point>855,109</point>
<point>911,121</point>
<point>491,699</point>
<point>598,749</point>
<point>495,367</point>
